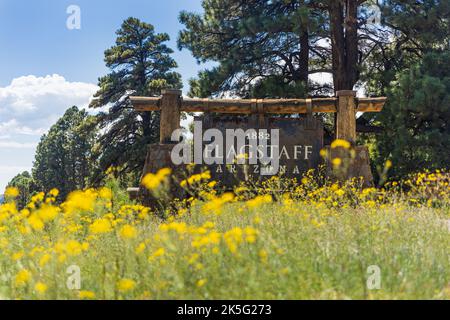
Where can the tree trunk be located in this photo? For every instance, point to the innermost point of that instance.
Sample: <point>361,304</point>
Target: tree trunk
<point>344,41</point>
<point>302,73</point>
<point>146,124</point>
<point>304,57</point>
<point>351,44</point>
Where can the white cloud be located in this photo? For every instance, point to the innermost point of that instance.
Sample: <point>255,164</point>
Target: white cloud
<point>17,145</point>
<point>13,127</point>
<point>34,103</point>
<point>29,105</point>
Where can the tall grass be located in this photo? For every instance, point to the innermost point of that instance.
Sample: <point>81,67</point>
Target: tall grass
<point>317,242</point>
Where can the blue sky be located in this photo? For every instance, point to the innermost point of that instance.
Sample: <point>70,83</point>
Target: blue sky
<point>45,67</point>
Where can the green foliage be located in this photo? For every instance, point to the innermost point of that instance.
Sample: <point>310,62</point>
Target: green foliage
<point>409,31</point>
<point>417,131</point>
<point>254,43</point>
<point>140,64</point>
<point>423,23</point>
<point>24,183</point>
<point>65,157</point>
<point>270,48</point>
<point>275,87</point>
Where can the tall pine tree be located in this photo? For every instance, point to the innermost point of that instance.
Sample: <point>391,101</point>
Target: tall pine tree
<point>64,157</point>
<point>140,64</point>
<point>418,132</point>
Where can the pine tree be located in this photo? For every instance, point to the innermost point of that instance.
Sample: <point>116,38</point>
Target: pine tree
<point>140,64</point>
<point>409,30</point>
<point>64,157</point>
<point>263,48</point>
<point>416,131</point>
<point>25,184</point>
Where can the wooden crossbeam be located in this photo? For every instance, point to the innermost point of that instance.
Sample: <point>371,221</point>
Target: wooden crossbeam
<point>345,105</point>
<point>249,106</point>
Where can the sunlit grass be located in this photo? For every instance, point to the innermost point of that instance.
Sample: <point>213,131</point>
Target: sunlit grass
<point>307,242</point>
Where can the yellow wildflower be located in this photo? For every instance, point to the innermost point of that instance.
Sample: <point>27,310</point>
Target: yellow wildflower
<point>23,277</point>
<point>100,226</point>
<point>125,285</point>
<point>54,192</point>
<point>38,197</point>
<point>158,253</point>
<point>11,192</point>
<point>250,234</point>
<point>388,164</point>
<point>40,287</point>
<point>128,232</point>
<point>35,222</point>
<point>153,181</point>
<point>259,200</point>
<point>47,213</point>
<point>233,238</point>
<point>73,248</point>
<point>80,201</point>
<point>140,248</point>
<point>44,259</point>
<point>105,193</point>
<point>215,204</point>
<point>201,283</point>
<point>86,294</point>
<point>337,162</point>
<point>340,143</point>
<point>212,184</point>
<point>18,255</point>
<point>263,255</point>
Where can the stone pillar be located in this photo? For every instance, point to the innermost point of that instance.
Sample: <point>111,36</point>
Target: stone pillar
<point>355,161</point>
<point>355,164</point>
<point>346,116</point>
<point>158,155</point>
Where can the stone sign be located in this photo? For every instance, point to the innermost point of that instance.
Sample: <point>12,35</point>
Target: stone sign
<point>298,148</point>
<point>299,138</point>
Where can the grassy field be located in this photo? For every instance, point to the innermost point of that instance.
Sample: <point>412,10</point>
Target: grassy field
<point>272,241</point>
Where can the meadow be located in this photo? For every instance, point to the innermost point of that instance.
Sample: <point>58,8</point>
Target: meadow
<point>279,239</point>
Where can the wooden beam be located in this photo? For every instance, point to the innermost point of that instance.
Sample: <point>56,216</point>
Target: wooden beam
<point>146,103</point>
<point>240,106</point>
<point>248,106</point>
<point>370,104</point>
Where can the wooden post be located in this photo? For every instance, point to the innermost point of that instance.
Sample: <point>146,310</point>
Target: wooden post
<point>170,114</point>
<point>346,115</point>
